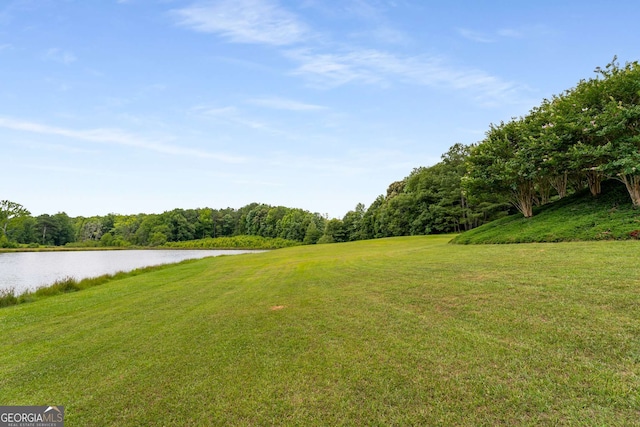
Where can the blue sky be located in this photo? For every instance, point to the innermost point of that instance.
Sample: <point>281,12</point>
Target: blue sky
<point>133,106</point>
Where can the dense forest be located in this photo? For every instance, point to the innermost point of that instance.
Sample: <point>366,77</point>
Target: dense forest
<point>573,141</point>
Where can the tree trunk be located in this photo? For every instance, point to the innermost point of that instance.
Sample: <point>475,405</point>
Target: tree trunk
<point>632,182</point>
<point>559,183</point>
<point>544,191</point>
<point>524,197</point>
<point>465,220</point>
<point>595,180</point>
<point>577,182</point>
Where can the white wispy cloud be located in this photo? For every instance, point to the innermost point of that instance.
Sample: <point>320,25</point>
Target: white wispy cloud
<point>386,35</point>
<point>285,104</point>
<point>244,21</point>
<point>230,115</point>
<point>527,31</point>
<point>475,36</point>
<point>235,116</point>
<point>73,171</point>
<point>60,55</point>
<point>5,46</point>
<point>335,69</point>
<point>378,67</point>
<point>114,136</point>
<point>333,64</point>
<point>55,147</point>
<point>524,32</point>
<point>349,163</point>
<point>510,32</point>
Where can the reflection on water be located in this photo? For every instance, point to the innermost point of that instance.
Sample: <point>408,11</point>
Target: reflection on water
<point>30,270</point>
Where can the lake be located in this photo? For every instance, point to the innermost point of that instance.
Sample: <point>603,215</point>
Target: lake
<point>23,271</point>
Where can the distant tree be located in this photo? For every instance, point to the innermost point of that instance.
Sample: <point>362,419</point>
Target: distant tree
<point>64,232</point>
<point>47,229</point>
<point>90,230</point>
<point>24,230</point>
<point>228,223</point>
<point>8,212</point>
<point>124,229</point>
<point>369,226</point>
<point>293,225</point>
<point>206,223</point>
<point>333,232</point>
<point>352,222</point>
<point>312,234</point>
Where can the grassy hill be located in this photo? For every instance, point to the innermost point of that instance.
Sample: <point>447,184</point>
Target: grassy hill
<point>579,217</point>
<point>404,331</point>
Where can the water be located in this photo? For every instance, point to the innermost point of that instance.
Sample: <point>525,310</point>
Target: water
<point>29,270</point>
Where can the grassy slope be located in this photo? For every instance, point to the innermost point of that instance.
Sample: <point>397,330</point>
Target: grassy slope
<point>405,331</point>
<point>576,218</point>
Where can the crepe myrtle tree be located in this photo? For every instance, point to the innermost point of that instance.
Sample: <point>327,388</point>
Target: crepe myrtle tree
<point>505,163</point>
<point>551,133</point>
<point>620,126</point>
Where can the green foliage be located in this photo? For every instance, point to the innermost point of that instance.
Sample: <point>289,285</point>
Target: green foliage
<point>6,243</point>
<point>55,230</point>
<point>574,140</point>
<point>312,235</point>
<point>587,134</point>
<point>431,200</point>
<point>334,232</point>
<point>178,225</point>
<point>235,242</point>
<point>7,297</point>
<point>62,286</point>
<point>577,217</point>
<point>10,212</point>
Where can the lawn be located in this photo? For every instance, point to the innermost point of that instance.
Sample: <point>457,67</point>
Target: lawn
<point>579,217</point>
<point>403,331</point>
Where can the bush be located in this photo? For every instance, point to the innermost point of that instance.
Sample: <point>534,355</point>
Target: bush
<point>68,284</point>
<point>7,297</point>
<point>235,242</point>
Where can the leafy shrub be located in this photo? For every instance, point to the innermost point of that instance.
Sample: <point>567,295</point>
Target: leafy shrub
<point>235,242</point>
<point>7,297</point>
<point>68,284</point>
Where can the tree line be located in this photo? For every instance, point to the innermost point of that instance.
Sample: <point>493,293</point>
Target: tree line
<point>570,142</point>
<point>429,200</point>
<point>177,225</point>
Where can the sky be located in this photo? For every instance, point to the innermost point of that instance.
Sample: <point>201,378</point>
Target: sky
<point>143,106</point>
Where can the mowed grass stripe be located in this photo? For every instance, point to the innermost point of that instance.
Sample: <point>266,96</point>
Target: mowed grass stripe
<point>395,331</point>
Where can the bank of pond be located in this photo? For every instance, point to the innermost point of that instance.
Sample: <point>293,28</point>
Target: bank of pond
<point>26,276</point>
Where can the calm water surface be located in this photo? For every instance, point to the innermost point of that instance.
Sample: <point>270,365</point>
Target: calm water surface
<point>30,270</point>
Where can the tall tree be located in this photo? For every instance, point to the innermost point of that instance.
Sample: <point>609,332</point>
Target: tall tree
<point>8,212</point>
<point>619,126</point>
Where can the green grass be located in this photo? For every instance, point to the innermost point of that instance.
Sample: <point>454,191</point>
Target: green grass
<point>234,242</point>
<point>404,331</point>
<point>8,297</point>
<point>580,217</point>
